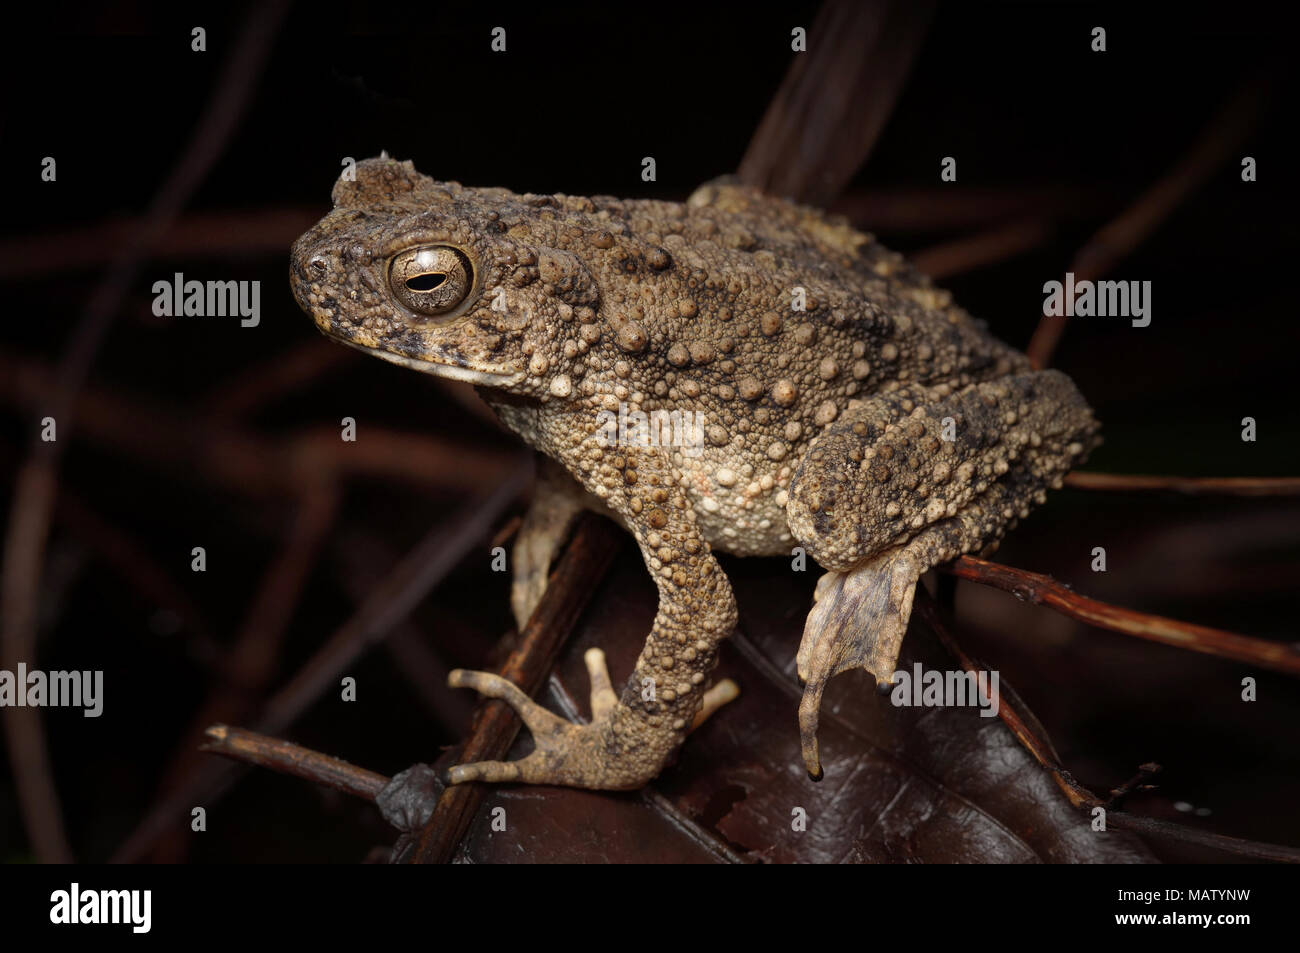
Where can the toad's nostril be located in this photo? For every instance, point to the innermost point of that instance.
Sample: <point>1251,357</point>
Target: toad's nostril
<point>318,264</point>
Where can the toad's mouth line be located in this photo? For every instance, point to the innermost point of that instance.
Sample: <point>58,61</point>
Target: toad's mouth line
<point>487,378</point>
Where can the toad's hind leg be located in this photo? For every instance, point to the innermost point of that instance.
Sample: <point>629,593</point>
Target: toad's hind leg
<point>906,481</point>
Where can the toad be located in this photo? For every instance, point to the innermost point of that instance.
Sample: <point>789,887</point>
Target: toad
<point>791,386</point>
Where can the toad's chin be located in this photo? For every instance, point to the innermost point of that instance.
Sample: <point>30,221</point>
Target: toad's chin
<point>487,377</point>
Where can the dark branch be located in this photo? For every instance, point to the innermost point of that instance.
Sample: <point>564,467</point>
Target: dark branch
<point>1193,486</point>
<point>288,758</point>
<point>1027,731</point>
<point>1045,591</point>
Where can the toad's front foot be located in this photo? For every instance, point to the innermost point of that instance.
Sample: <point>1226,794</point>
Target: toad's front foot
<point>621,749</point>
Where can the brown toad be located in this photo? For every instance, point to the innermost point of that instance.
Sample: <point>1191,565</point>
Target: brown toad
<point>824,395</point>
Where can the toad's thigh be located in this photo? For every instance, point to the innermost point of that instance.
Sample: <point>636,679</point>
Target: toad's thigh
<point>898,463</point>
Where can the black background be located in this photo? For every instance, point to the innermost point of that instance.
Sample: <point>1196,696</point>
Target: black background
<point>584,92</point>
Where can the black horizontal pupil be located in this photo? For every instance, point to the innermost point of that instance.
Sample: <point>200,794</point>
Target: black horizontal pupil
<point>426,282</point>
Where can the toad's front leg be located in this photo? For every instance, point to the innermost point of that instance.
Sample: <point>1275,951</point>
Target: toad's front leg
<point>630,737</point>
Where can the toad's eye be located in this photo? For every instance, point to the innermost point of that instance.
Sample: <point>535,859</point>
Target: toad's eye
<point>431,280</point>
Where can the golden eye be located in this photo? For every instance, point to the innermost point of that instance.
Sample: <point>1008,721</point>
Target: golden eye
<point>432,279</point>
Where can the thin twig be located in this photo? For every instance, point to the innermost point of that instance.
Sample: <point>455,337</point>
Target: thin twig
<point>1120,236</point>
<point>506,532</point>
<point>389,604</point>
<point>38,798</point>
<point>1193,486</point>
<point>286,757</point>
<point>977,251</point>
<point>1045,591</point>
<point>1034,740</point>
<point>122,554</point>
<point>252,464</point>
<point>358,559</point>
<point>287,371</point>
<point>1025,728</point>
<point>953,208</point>
<point>35,487</point>
<point>848,82</point>
<point>250,664</point>
<point>1138,782</point>
<point>1167,830</point>
<point>193,236</point>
